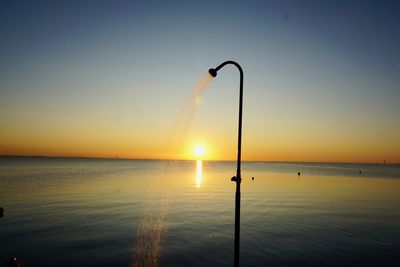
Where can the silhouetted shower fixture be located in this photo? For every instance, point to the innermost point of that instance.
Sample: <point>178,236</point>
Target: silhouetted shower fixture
<point>238,177</point>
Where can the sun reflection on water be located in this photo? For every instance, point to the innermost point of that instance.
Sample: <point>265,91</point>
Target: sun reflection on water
<point>199,172</point>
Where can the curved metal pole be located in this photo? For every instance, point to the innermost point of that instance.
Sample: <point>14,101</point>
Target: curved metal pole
<point>238,177</point>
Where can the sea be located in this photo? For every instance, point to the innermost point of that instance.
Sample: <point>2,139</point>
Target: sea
<point>122,212</point>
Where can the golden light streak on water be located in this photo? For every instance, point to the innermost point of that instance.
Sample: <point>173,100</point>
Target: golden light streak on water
<point>199,172</point>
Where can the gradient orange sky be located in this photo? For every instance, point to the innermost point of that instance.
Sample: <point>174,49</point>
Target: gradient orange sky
<point>95,81</point>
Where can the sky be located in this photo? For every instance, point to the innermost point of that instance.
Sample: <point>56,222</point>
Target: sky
<point>110,78</point>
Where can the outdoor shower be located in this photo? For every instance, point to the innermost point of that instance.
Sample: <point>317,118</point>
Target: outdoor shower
<point>238,177</point>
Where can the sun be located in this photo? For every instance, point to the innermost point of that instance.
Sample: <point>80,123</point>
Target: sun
<point>199,150</point>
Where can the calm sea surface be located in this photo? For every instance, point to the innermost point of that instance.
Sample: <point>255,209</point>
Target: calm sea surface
<point>95,212</point>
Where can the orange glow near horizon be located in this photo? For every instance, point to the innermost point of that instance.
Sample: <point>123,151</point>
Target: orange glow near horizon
<point>250,151</point>
<point>42,141</point>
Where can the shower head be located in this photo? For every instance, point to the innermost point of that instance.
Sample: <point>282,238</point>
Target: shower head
<point>212,72</point>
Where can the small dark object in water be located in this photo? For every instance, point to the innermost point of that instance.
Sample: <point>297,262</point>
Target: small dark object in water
<point>252,178</point>
<point>1,212</point>
<point>360,172</point>
<point>13,262</point>
<point>298,174</point>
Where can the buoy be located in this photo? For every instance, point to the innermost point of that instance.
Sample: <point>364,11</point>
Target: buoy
<point>252,178</point>
<point>298,174</point>
<point>1,212</point>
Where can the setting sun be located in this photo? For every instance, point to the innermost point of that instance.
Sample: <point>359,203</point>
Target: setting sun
<point>199,150</point>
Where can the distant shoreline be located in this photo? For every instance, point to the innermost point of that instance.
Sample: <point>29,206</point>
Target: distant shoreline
<point>252,161</point>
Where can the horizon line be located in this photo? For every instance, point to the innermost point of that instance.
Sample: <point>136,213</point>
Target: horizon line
<point>222,160</point>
